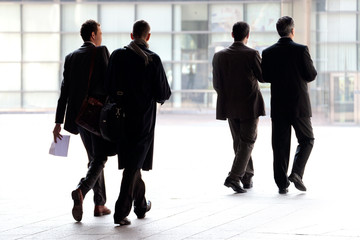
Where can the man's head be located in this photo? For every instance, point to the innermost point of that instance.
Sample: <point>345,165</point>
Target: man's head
<point>141,29</point>
<point>240,31</point>
<point>91,31</point>
<point>285,26</point>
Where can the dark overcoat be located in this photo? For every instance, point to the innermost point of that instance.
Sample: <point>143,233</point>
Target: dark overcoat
<point>143,87</point>
<point>75,82</point>
<point>289,68</point>
<point>236,72</point>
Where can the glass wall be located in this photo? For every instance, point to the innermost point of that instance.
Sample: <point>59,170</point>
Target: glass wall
<point>335,43</point>
<point>39,34</point>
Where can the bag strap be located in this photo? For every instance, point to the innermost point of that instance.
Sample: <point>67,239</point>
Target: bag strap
<point>92,63</point>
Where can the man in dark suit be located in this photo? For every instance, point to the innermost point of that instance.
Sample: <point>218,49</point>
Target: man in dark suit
<point>73,90</point>
<point>236,72</point>
<point>136,80</point>
<point>289,68</point>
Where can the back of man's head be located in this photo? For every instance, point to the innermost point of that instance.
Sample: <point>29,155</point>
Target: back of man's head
<point>141,29</point>
<point>240,30</point>
<point>284,26</point>
<point>87,28</point>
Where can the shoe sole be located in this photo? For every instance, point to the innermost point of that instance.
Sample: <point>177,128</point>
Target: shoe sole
<point>297,185</point>
<point>123,222</point>
<point>101,214</point>
<point>77,210</point>
<point>229,185</point>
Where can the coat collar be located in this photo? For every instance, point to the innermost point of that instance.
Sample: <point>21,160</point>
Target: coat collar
<point>88,44</point>
<point>237,44</point>
<point>285,40</point>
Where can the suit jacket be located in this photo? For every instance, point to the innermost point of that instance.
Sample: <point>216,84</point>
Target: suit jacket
<point>288,67</point>
<point>74,86</point>
<point>143,87</point>
<point>236,72</point>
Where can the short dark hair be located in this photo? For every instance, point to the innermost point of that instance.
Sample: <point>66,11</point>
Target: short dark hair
<point>141,29</point>
<point>87,28</point>
<point>240,30</point>
<point>284,26</point>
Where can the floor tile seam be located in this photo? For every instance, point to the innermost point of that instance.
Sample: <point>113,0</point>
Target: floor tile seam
<point>174,227</point>
<point>223,224</point>
<point>38,221</point>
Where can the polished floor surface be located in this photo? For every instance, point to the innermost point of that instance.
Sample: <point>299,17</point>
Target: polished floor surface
<point>193,154</point>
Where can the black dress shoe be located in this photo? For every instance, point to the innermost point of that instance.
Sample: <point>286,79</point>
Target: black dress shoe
<point>296,179</point>
<point>283,190</point>
<point>140,212</point>
<point>248,185</point>
<point>234,185</point>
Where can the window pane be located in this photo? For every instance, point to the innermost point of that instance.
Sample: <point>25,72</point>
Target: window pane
<point>10,100</point>
<point>216,38</point>
<point>40,100</point>
<point>341,57</point>
<point>49,50</point>
<point>41,18</point>
<point>10,47</point>
<point>115,41</point>
<point>10,15</point>
<point>261,40</point>
<point>341,5</point>
<point>10,76</point>
<point>223,16</point>
<point>70,42</point>
<point>263,16</point>
<point>117,18</point>
<point>190,47</point>
<point>74,15</point>
<point>194,76</point>
<point>194,17</point>
<point>338,28</point>
<point>157,15</point>
<point>47,80</point>
<point>161,44</point>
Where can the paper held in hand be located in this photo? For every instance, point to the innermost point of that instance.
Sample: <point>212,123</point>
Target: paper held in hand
<point>61,147</point>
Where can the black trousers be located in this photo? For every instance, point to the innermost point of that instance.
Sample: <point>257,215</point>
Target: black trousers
<point>281,142</point>
<point>244,133</point>
<point>97,154</point>
<point>132,189</point>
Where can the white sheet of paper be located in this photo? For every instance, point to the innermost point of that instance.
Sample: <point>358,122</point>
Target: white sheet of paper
<point>61,147</point>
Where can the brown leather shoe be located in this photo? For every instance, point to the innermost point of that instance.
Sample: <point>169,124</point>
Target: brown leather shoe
<point>101,210</point>
<point>77,210</point>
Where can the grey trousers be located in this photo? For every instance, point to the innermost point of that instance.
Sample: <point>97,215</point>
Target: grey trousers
<point>96,150</point>
<point>244,133</point>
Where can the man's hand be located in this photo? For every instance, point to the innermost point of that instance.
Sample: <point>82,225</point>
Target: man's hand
<point>56,132</point>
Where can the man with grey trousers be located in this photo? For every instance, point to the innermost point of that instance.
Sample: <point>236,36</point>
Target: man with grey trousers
<point>236,72</point>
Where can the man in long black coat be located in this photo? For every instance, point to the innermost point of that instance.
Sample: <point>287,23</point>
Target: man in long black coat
<point>289,68</point>
<point>137,79</point>
<point>73,90</point>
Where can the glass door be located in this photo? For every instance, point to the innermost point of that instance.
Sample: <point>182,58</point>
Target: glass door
<point>343,99</point>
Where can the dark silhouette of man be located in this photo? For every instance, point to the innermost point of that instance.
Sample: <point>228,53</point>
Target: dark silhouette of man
<point>74,88</point>
<point>236,72</point>
<point>289,68</point>
<point>137,80</point>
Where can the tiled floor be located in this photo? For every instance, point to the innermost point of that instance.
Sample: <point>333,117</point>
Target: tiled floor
<point>193,154</point>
